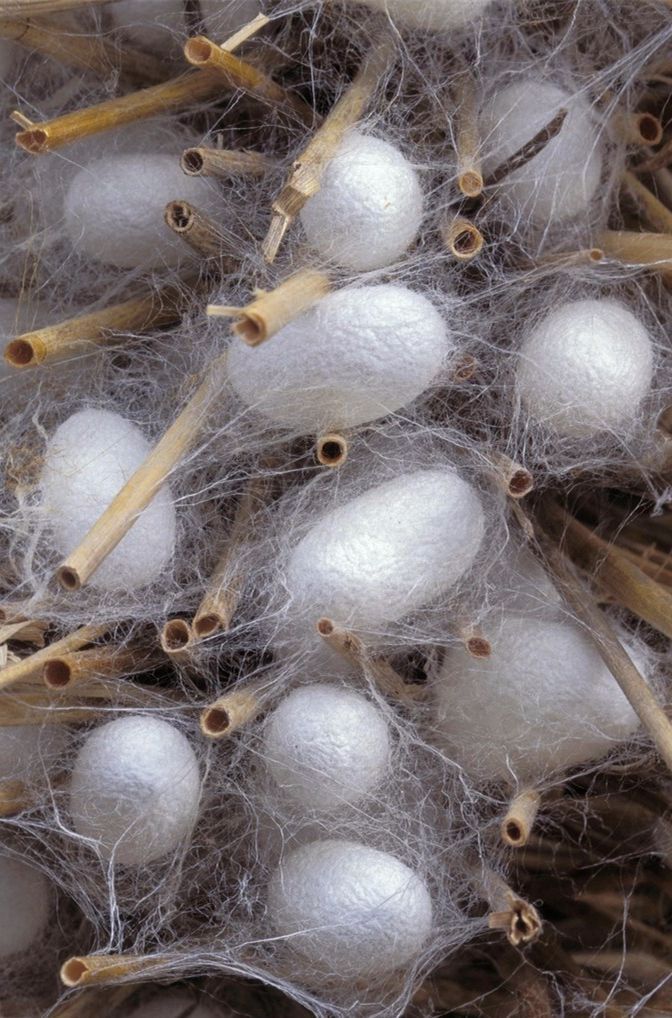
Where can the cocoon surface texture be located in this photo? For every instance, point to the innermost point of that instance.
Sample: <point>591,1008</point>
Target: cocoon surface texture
<point>350,910</point>
<point>357,355</point>
<point>88,460</point>
<point>24,906</point>
<point>437,15</point>
<point>134,789</point>
<point>544,701</point>
<point>28,752</point>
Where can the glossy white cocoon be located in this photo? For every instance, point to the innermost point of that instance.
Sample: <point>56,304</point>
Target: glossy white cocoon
<point>348,909</point>
<point>170,1003</point>
<point>157,24</point>
<point>387,552</point>
<point>134,789</point>
<point>561,180</point>
<point>114,209</point>
<point>524,586</point>
<point>435,15</point>
<point>369,207</point>
<point>24,905</point>
<point>28,753</point>
<point>585,368</point>
<point>544,701</point>
<point>356,355</point>
<point>325,746</point>
<point>88,460</point>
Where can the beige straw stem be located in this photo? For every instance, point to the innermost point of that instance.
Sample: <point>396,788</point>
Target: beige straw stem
<point>141,487</point>
<point>474,640</point>
<point>632,248</point>
<point>462,238</point>
<point>85,52</point>
<point>350,647</point>
<point>331,450</point>
<point>176,638</point>
<point>31,667</point>
<point>33,709</point>
<point>106,662</point>
<point>200,233</point>
<point>273,309</point>
<point>14,797</point>
<point>517,824</point>
<point>510,913</point>
<point>306,174</point>
<point>221,162</point>
<point>641,129</point>
<point>201,52</point>
<point>515,480</point>
<point>109,968</point>
<point>467,138</point>
<point>86,332</point>
<point>657,214</point>
<point>231,711</point>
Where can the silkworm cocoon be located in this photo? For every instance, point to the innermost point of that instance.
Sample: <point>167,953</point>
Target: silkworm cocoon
<point>27,752</point>
<point>387,552</point>
<point>177,1004</point>
<point>357,355</point>
<point>369,207</point>
<point>114,209</point>
<point>435,15</point>
<point>544,701</point>
<point>24,905</point>
<point>326,746</point>
<point>585,368</point>
<point>523,584</point>
<point>350,910</point>
<point>560,181</point>
<point>134,789</point>
<point>158,24</point>
<point>87,461</point>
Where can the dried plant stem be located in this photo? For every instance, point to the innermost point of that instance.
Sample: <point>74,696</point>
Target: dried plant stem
<point>34,709</point>
<point>657,214</point>
<point>86,332</point>
<point>106,662</point>
<point>271,310</point>
<point>475,641</point>
<point>467,138</point>
<point>306,174</point>
<point>331,450</point>
<point>139,490</point>
<point>14,798</point>
<point>631,248</point>
<point>463,238</point>
<point>176,638</point>
<point>517,824</point>
<point>637,128</point>
<point>353,650</point>
<point>614,655</point>
<point>569,259</point>
<point>515,480</point>
<point>31,667</point>
<point>219,162</point>
<point>510,913</point>
<point>109,968</point>
<point>201,52</point>
<point>231,711</point>
<point>195,228</point>
<point>529,150</point>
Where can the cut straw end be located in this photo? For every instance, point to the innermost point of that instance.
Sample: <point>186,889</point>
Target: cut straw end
<point>21,353</point>
<point>331,450</point>
<point>199,50</point>
<point>56,674</point>
<point>68,578</point>
<point>176,636</point>
<point>74,972</point>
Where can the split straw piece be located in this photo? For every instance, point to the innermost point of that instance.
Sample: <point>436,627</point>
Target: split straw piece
<point>221,162</point>
<point>463,238</point>
<point>520,816</point>
<point>529,150</point>
<point>106,662</point>
<point>657,214</point>
<point>199,232</point>
<point>176,637</point>
<point>31,667</point>
<point>201,52</point>
<point>474,640</point>
<point>271,310</point>
<point>331,450</point>
<point>632,248</point>
<point>467,140</point>
<point>637,128</point>
<point>230,712</point>
<point>86,332</point>
<point>611,650</point>
<point>510,913</point>
<point>104,968</point>
<point>515,480</point>
<point>350,647</point>
<point>139,490</point>
<point>306,174</point>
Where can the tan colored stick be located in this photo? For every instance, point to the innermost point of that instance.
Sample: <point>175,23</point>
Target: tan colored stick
<point>520,816</point>
<point>107,662</point>
<point>657,214</point>
<point>201,52</point>
<point>140,489</point>
<point>353,650</point>
<point>568,259</point>
<point>13,798</point>
<point>85,52</point>
<point>614,655</point>
<point>219,162</point>
<point>31,667</point>
<point>331,450</point>
<point>306,174</point>
<point>467,138</point>
<point>86,332</point>
<point>631,248</point>
<point>514,480</point>
<point>272,310</point>
<point>230,712</point>
<point>109,968</point>
<point>199,232</point>
<point>176,637</point>
<point>462,238</point>
<point>510,913</point>
<point>475,641</point>
<point>637,128</point>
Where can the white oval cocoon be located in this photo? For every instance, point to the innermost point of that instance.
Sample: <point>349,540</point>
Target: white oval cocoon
<point>561,180</point>
<point>387,552</point>
<point>369,207</point>
<point>28,752</point>
<point>325,746</point>
<point>434,15</point>
<point>356,355</point>
<point>134,789</point>
<point>155,24</point>
<point>170,1003</point>
<point>24,905</point>
<point>350,910</point>
<point>114,210</point>
<point>88,460</point>
<point>544,701</point>
<point>585,368</point>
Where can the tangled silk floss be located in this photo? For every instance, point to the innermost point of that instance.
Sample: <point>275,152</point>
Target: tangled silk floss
<point>406,669</point>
